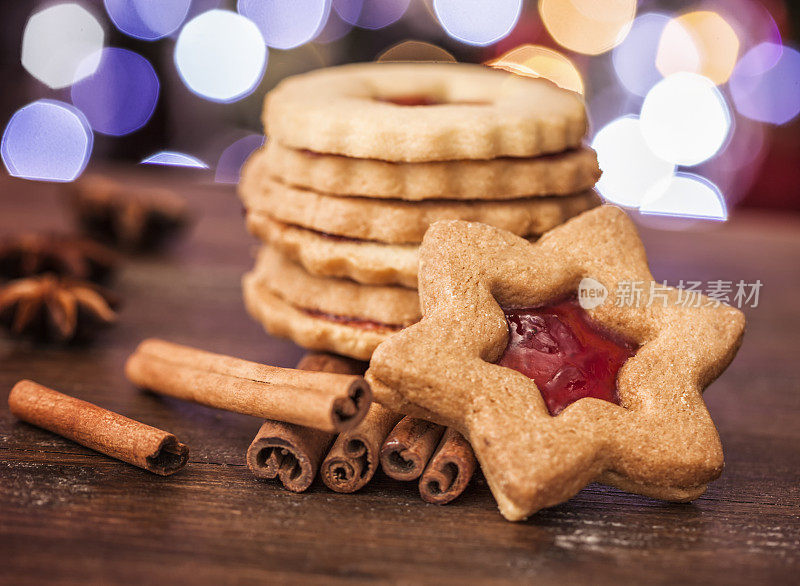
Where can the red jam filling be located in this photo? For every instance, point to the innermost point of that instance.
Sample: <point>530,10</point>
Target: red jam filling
<point>354,322</point>
<point>420,100</point>
<point>567,355</point>
<point>411,101</point>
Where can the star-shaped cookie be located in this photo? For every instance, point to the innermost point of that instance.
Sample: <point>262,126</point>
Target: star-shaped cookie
<point>658,440</point>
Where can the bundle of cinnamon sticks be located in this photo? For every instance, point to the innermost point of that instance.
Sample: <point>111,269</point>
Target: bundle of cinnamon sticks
<point>319,418</point>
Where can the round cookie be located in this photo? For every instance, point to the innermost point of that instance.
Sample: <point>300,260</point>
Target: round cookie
<point>402,222</point>
<point>393,307</point>
<point>416,112</point>
<point>282,319</point>
<point>371,263</point>
<point>504,178</point>
<point>251,175</point>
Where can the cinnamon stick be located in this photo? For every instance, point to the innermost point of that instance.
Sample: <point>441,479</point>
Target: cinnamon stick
<point>323,400</point>
<point>292,452</point>
<point>449,470</point>
<point>289,452</point>
<point>408,448</point>
<point>97,428</point>
<point>354,457</point>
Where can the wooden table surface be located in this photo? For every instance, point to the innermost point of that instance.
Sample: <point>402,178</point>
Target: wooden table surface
<point>69,515</point>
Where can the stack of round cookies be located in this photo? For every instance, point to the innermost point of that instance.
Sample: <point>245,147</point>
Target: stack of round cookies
<point>361,159</point>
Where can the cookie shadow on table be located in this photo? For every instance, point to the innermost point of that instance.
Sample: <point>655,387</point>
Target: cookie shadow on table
<point>607,500</point>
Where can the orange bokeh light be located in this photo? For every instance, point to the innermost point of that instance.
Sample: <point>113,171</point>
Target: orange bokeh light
<point>588,26</point>
<point>698,42</point>
<point>415,51</point>
<point>538,61</point>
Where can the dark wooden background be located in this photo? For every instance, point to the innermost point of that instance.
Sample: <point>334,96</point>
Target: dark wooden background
<point>69,515</point>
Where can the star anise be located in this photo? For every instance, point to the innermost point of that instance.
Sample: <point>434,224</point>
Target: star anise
<point>29,254</point>
<point>54,309</point>
<point>130,217</point>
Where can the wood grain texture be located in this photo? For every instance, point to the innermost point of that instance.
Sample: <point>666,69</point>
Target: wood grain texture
<point>69,515</point>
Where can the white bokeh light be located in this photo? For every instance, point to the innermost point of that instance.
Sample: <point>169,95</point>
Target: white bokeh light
<point>57,40</point>
<point>174,159</point>
<point>629,167</point>
<point>47,140</point>
<point>477,22</point>
<point>685,195</point>
<point>685,120</point>
<point>221,55</point>
<point>285,25</point>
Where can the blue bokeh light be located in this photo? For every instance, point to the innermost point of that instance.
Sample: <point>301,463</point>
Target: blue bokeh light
<point>370,14</point>
<point>198,7</point>
<point>477,22</point>
<point>47,140</point>
<point>147,19</point>
<point>635,58</point>
<point>335,28</point>
<point>221,55</point>
<point>232,158</point>
<point>285,25</point>
<point>121,95</point>
<point>765,83</point>
<point>174,159</point>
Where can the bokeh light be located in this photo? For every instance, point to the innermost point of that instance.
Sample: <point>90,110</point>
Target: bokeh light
<point>120,96</point>
<point>685,195</point>
<point>232,158</point>
<point>538,61</point>
<point>635,58</point>
<point>335,29</point>
<point>174,159</point>
<point>415,51</point>
<point>751,20</point>
<point>477,22</point>
<point>370,14</point>
<point>735,168</point>
<point>699,42</point>
<point>47,140</point>
<point>57,40</point>
<point>610,103</point>
<point>221,55</point>
<point>588,26</point>
<point>146,19</point>
<point>198,7</point>
<point>765,85</point>
<point>685,120</point>
<point>629,167</point>
<point>285,25</point>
